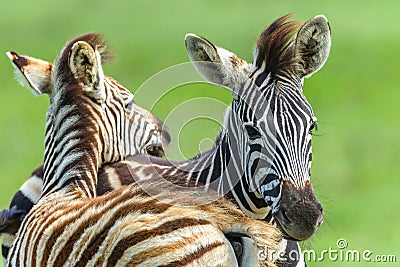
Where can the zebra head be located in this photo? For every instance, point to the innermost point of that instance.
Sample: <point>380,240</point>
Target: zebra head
<point>270,122</point>
<point>119,118</point>
<point>35,74</point>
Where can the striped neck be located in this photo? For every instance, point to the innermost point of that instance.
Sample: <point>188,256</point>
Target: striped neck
<point>223,168</point>
<point>72,144</point>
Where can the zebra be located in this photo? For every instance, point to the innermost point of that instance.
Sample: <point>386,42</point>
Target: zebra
<point>262,196</point>
<point>72,226</point>
<point>150,137</point>
<point>261,159</point>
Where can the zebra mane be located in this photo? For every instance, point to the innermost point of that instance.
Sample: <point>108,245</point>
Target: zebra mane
<point>274,43</point>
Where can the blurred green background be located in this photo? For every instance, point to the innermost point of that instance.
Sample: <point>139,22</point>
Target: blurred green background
<point>356,96</point>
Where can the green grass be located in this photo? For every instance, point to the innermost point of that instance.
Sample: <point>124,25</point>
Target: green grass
<point>355,96</point>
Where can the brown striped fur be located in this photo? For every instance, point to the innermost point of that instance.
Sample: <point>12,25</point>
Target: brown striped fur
<point>186,221</point>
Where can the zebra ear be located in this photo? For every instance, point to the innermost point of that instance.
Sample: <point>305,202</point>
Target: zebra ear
<point>32,73</point>
<point>10,219</point>
<point>85,65</point>
<point>312,45</point>
<point>215,64</point>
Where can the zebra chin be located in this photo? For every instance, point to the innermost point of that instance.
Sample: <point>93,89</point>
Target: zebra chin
<point>299,213</point>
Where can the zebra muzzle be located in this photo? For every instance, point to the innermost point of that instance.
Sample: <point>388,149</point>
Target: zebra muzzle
<point>299,213</point>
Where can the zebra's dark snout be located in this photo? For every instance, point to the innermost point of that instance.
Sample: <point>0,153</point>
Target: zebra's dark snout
<point>299,213</point>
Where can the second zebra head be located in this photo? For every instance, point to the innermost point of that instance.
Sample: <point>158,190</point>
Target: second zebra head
<point>268,128</point>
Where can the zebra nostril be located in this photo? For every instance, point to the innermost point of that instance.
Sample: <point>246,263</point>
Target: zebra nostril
<point>284,217</point>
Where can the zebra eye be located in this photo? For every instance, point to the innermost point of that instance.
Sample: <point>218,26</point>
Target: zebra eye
<point>252,132</point>
<point>313,126</point>
<point>129,104</point>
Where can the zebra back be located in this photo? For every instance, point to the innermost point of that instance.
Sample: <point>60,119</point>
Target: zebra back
<point>168,228</point>
<point>111,177</point>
